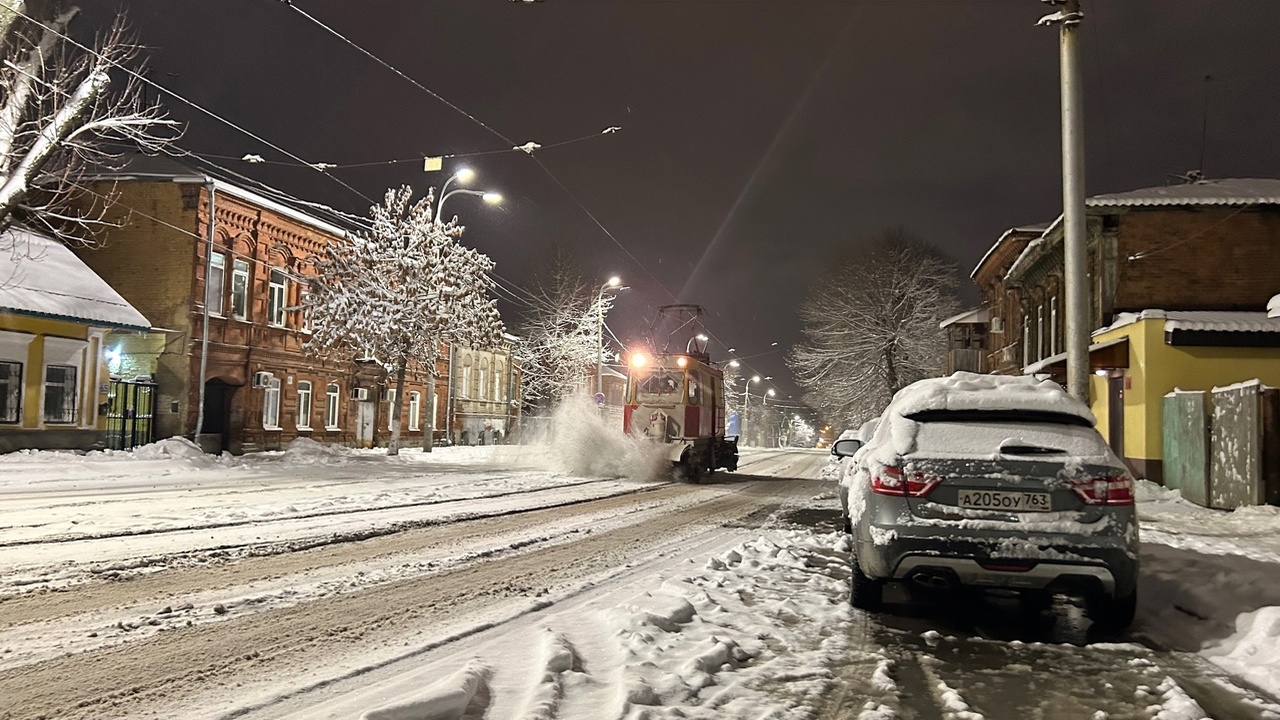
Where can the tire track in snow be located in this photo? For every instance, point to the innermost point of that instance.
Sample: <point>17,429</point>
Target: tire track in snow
<point>319,639</point>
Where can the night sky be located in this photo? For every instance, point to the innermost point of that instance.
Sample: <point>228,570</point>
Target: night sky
<point>757,135</point>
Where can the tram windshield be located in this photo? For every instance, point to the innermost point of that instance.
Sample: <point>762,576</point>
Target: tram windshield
<point>661,386</point>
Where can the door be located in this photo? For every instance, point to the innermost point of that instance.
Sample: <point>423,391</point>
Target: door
<point>217,414</point>
<point>1115,414</point>
<point>366,415</point>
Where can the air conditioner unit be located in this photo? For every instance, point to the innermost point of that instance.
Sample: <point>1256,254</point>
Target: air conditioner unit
<point>262,379</point>
<point>997,325</point>
<point>359,393</point>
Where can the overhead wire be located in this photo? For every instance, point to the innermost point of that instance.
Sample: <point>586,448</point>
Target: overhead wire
<point>148,81</point>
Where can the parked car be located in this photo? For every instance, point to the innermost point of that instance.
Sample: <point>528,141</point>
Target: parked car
<point>861,437</point>
<point>984,481</point>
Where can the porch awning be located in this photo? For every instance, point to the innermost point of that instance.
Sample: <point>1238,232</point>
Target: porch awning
<point>1107,355</point>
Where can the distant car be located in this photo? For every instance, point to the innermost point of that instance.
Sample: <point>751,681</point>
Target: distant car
<point>984,481</point>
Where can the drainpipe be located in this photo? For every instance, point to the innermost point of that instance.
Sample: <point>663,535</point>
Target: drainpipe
<point>204,340</point>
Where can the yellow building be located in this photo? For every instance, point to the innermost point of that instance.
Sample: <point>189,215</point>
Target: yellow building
<point>54,315</point>
<point>1143,356</point>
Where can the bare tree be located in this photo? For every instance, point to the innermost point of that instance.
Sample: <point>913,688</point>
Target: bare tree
<point>871,326</point>
<point>560,340</point>
<point>398,291</point>
<point>62,105</point>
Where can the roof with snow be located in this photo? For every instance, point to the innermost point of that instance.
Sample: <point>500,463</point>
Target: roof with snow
<point>1023,230</point>
<point>1226,191</point>
<point>162,168</point>
<point>1201,320</point>
<point>40,276</point>
<point>968,317</point>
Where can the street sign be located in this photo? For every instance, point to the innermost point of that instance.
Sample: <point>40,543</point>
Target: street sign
<point>599,398</point>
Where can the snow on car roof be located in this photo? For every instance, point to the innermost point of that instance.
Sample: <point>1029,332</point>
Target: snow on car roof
<point>971,391</point>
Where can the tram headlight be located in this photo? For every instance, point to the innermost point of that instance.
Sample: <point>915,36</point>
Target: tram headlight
<point>682,361</point>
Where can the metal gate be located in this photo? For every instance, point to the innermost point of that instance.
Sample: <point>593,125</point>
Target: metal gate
<point>131,410</point>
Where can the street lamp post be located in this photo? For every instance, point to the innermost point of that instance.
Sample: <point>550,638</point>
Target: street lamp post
<point>746,403</point>
<point>612,282</point>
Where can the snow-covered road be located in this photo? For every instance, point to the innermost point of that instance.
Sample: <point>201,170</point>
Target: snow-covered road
<point>477,583</point>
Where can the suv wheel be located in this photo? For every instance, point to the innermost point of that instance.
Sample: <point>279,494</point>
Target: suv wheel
<point>864,592</point>
<point>1113,614</point>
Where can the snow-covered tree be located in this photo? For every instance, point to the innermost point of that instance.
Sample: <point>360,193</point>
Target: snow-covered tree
<point>871,326</point>
<point>61,106</point>
<point>398,291</point>
<point>560,341</point>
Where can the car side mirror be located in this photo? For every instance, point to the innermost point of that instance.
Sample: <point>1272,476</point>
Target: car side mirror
<point>846,448</point>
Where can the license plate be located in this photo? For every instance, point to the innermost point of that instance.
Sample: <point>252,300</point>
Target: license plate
<point>1004,500</point>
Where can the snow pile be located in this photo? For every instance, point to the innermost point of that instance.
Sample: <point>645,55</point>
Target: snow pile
<point>970,391</point>
<point>1253,652</point>
<point>580,443</point>
<point>305,451</point>
<point>450,699</point>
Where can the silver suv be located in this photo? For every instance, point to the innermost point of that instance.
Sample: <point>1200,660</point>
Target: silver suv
<point>988,481</point>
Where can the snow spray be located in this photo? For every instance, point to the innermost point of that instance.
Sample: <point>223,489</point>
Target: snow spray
<point>583,441</point>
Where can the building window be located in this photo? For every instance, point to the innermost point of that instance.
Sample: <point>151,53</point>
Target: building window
<point>434,405</point>
<point>305,311</point>
<point>1026,341</point>
<point>304,405</point>
<point>331,394</point>
<point>465,390</point>
<point>271,405</point>
<point>1053,325</point>
<point>10,392</point>
<point>498,385</point>
<point>1040,332</point>
<point>276,298</point>
<point>240,289</point>
<point>391,406</point>
<point>60,393</point>
<point>484,380</point>
<point>213,288</point>
<point>415,409</point>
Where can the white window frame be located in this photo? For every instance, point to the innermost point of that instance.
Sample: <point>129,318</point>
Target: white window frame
<point>1040,332</point>
<point>303,419</point>
<point>15,347</point>
<point>415,409</point>
<point>1053,325</point>
<point>1026,340</point>
<point>465,390</point>
<point>215,293</point>
<point>391,406</point>
<point>241,276</point>
<point>271,405</point>
<point>332,397</point>
<point>435,405</point>
<point>19,396</point>
<point>304,312</point>
<point>69,352</point>
<point>277,297</point>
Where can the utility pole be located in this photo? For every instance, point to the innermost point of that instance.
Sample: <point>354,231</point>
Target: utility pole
<point>1075,272</point>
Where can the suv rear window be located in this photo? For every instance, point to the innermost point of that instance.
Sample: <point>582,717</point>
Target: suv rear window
<point>1003,416</point>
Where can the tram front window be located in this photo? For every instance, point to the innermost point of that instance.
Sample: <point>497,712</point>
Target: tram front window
<point>661,386</point>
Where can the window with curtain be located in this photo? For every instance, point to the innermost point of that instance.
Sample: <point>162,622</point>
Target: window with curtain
<point>60,393</point>
<point>240,289</point>
<point>276,298</point>
<point>213,287</point>
<point>304,405</point>
<point>271,405</point>
<point>331,395</point>
<point>10,391</point>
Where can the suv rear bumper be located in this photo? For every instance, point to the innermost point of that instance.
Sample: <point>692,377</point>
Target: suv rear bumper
<point>1105,564</point>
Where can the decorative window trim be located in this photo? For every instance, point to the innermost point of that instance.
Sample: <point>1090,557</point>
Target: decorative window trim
<point>217,261</point>
<point>241,269</point>
<point>271,405</point>
<point>334,394</point>
<point>302,422</point>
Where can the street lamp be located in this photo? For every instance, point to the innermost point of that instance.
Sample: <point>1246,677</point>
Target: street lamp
<point>463,176</point>
<point>746,403</point>
<point>613,282</point>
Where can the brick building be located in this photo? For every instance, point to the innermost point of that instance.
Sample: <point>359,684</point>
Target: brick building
<point>1206,245</point>
<point>1204,249</point>
<point>260,388</point>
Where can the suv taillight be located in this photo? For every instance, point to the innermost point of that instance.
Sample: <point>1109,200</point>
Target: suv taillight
<point>1115,490</point>
<point>890,480</point>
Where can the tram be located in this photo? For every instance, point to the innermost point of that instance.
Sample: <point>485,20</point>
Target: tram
<point>676,397</point>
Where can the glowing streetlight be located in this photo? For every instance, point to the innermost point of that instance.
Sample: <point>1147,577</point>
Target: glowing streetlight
<point>613,283</point>
<point>463,176</point>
